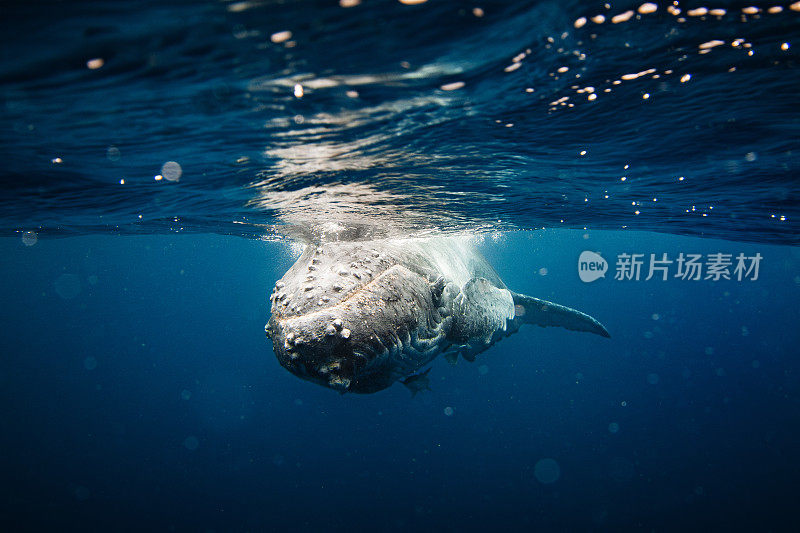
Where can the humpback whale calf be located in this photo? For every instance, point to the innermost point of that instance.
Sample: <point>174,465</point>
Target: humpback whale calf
<point>358,316</point>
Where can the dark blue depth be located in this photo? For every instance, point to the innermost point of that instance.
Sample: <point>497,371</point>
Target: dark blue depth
<point>149,398</point>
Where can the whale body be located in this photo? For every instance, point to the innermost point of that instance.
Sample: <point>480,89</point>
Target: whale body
<point>358,316</point>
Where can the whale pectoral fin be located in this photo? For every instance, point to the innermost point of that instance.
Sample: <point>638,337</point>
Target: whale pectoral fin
<point>530,310</point>
<point>417,382</point>
<point>479,311</point>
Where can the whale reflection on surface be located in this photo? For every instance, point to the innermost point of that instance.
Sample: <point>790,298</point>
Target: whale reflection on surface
<point>358,211</point>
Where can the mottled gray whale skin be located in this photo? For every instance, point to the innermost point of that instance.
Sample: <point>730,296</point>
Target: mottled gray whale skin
<point>358,316</point>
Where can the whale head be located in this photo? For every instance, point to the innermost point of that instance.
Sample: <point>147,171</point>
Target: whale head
<point>341,317</point>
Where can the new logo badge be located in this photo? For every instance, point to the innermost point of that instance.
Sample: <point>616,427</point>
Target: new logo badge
<point>591,266</point>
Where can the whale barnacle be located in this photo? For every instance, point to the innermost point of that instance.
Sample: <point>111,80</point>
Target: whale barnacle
<point>345,333</point>
<point>337,382</point>
<point>337,323</point>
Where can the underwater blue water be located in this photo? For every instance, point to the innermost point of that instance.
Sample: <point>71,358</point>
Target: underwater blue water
<point>148,397</point>
<point>187,150</point>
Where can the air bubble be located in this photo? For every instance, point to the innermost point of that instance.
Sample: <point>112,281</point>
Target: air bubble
<point>171,171</point>
<point>113,153</point>
<point>547,471</point>
<point>29,238</point>
<point>68,286</point>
